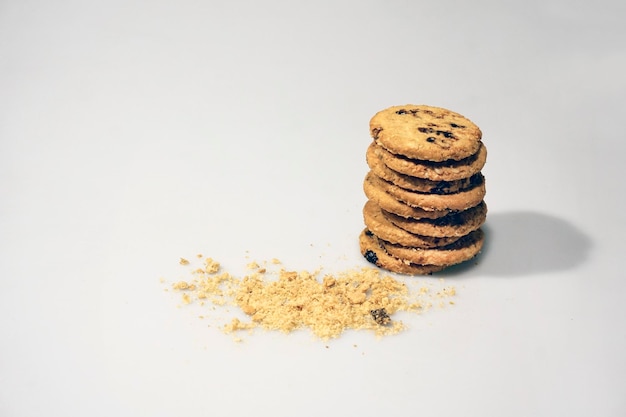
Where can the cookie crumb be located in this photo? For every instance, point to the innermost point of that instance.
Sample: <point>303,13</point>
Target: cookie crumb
<point>186,299</point>
<point>447,292</point>
<point>183,285</point>
<point>252,265</point>
<point>236,324</point>
<point>211,266</point>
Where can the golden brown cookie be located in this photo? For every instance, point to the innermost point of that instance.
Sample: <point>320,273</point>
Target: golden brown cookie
<point>455,224</point>
<point>461,200</point>
<point>460,251</point>
<point>380,225</point>
<point>373,191</point>
<point>434,171</point>
<point>374,253</point>
<point>425,132</point>
<point>414,183</point>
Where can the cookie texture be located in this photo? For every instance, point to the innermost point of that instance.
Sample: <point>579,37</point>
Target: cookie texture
<point>425,132</point>
<point>436,171</point>
<point>372,187</point>
<point>460,251</point>
<point>409,182</point>
<point>452,225</point>
<point>374,253</point>
<point>382,227</point>
<point>461,200</point>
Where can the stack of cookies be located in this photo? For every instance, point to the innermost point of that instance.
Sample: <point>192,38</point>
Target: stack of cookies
<point>425,190</point>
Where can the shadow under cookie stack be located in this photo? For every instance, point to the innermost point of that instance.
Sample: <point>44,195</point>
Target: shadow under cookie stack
<point>425,190</point>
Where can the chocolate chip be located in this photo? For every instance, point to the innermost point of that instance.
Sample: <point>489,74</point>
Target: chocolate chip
<point>455,125</point>
<point>456,219</point>
<point>430,139</point>
<point>476,179</point>
<point>442,187</point>
<point>412,112</point>
<point>369,233</point>
<point>371,257</point>
<point>443,133</point>
<point>380,316</point>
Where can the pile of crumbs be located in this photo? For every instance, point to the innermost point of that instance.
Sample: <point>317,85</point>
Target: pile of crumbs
<point>273,298</point>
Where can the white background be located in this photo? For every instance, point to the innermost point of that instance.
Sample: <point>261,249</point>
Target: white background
<point>136,132</point>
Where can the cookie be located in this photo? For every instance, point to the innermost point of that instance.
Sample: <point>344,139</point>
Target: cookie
<point>414,183</point>
<point>461,200</point>
<point>374,253</point>
<point>434,171</point>
<point>425,132</point>
<point>460,251</point>
<point>380,225</point>
<point>454,224</point>
<point>374,192</point>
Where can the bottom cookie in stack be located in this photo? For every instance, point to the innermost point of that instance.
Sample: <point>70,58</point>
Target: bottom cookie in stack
<point>374,252</point>
<point>418,261</point>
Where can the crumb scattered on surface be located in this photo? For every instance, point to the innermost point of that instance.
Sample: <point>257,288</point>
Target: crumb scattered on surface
<point>253,265</point>
<point>186,299</point>
<point>277,299</point>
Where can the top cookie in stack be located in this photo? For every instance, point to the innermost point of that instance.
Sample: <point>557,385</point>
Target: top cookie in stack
<point>425,190</point>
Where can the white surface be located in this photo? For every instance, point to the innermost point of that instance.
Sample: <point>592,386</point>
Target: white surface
<point>136,132</point>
